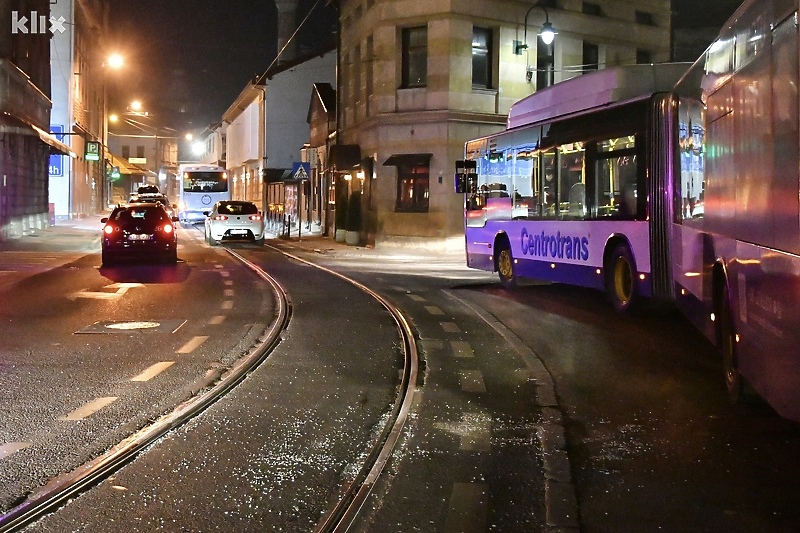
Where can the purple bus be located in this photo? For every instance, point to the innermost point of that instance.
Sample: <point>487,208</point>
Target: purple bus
<point>673,182</point>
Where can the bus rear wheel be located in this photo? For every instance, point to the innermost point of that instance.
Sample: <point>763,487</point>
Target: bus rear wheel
<point>621,280</point>
<point>726,342</point>
<point>505,266</point>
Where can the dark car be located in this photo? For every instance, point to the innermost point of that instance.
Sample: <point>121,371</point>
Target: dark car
<point>139,231</point>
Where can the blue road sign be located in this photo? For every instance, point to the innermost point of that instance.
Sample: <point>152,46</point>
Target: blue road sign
<point>56,165</point>
<point>301,171</point>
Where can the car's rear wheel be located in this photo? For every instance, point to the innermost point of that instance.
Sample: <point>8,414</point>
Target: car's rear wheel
<point>211,240</point>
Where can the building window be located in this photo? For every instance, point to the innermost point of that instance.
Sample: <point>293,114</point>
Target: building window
<point>591,57</point>
<point>415,56</point>
<point>413,190</point>
<point>126,151</point>
<point>643,57</point>
<point>545,69</point>
<point>140,151</point>
<point>592,9</point>
<point>642,17</point>
<point>482,58</point>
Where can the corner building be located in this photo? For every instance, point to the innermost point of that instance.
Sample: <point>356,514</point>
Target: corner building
<point>418,79</point>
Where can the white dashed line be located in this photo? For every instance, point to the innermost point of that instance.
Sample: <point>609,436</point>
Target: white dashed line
<point>432,309</point>
<point>227,305</point>
<point>416,297</point>
<point>461,349</point>
<point>11,448</point>
<point>89,409</point>
<point>450,327</point>
<point>219,319</point>
<point>190,346</point>
<point>228,292</point>
<point>153,371</point>
<point>472,381</point>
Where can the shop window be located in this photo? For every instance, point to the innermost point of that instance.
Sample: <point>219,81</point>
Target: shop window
<point>413,188</point>
<point>415,57</point>
<point>482,58</point>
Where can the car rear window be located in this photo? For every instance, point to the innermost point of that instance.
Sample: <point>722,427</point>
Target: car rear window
<point>238,209</point>
<point>150,214</point>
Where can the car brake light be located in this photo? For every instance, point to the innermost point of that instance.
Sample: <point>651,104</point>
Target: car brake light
<point>255,217</point>
<point>221,217</point>
<point>167,228</point>
<point>108,229</point>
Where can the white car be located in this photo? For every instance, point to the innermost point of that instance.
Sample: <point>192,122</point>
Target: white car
<point>234,220</point>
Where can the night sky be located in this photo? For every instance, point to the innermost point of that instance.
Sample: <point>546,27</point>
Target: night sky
<point>187,60</point>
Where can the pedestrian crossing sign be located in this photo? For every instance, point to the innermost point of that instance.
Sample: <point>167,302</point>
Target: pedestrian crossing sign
<point>301,171</point>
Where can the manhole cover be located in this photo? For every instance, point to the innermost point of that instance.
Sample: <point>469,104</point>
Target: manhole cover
<point>134,326</point>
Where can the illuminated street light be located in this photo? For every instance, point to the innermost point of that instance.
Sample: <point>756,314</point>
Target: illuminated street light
<point>113,118</point>
<point>189,136</point>
<point>198,148</point>
<point>116,61</point>
<point>136,105</point>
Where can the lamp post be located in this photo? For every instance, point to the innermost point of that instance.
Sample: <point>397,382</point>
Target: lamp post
<point>114,61</point>
<point>547,35</point>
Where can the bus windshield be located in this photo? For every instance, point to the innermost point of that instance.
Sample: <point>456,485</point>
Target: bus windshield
<point>205,182</point>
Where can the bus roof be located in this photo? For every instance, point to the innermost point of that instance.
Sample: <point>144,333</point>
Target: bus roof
<point>597,89</point>
<point>199,167</point>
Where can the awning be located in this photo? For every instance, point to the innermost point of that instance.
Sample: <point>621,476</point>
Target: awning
<point>276,175</point>
<point>11,124</point>
<point>345,157</point>
<point>56,146</point>
<point>125,167</point>
<point>409,160</point>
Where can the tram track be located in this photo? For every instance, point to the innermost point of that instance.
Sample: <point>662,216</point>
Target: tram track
<point>342,513</point>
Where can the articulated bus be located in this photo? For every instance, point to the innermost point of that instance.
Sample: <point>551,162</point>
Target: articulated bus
<point>673,182</point>
<point>201,187</point>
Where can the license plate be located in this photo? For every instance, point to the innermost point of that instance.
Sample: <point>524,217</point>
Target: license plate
<point>139,237</point>
<point>238,232</point>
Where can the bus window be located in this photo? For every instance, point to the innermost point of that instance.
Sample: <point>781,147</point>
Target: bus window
<point>691,145</point>
<point>572,182</point>
<point>525,204</point>
<point>549,185</point>
<point>616,194</point>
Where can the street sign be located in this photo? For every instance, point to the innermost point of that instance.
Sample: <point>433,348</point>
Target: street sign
<point>300,171</point>
<point>92,151</point>
<point>56,165</point>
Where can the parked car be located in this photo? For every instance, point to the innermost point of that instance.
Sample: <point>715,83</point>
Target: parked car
<point>234,220</point>
<point>139,231</point>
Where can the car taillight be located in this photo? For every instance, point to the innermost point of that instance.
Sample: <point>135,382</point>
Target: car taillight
<point>255,217</point>
<point>167,228</point>
<point>109,229</point>
<point>221,217</point>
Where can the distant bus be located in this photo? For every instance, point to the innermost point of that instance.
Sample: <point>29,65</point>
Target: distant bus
<point>200,188</point>
<point>674,182</point>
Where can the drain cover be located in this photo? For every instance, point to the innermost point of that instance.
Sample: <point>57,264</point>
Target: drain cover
<point>134,326</point>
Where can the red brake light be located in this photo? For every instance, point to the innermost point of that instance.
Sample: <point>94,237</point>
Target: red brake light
<point>221,217</point>
<point>108,229</point>
<point>255,217</point>
<point>167,228</point>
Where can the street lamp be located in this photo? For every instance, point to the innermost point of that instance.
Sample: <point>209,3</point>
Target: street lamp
<point>547,34</point>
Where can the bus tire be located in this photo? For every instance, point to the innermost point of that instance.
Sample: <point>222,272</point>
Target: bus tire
<point>621,280</point>
<point>726,343</point>
<point>505,265</point>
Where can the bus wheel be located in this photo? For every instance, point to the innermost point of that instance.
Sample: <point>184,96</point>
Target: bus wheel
<point>621,280</point>
<point>505,265</point>
<point>726,342</point>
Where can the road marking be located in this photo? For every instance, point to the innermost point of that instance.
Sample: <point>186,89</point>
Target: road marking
<point>219,266</point>
<point>228,292</point>
<point>11,448</point>
<point>190,346</point>
<point>450,327</point>
<point>468,508</point>
<point>153,371</point>
<point>121,288</point>
<point>216,320</point>
<point>89,409</point>
<point>416,297</point>
<point>474,431</point>
<point>461,349</point>
<point>432,309</point>
<point>228,282</point>
<point>472,381</point>
<point>227,305</point>
<point>224,273</point>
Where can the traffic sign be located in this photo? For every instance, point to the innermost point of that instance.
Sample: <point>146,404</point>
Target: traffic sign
<point>301,171</point>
